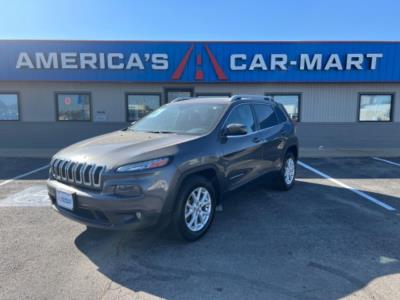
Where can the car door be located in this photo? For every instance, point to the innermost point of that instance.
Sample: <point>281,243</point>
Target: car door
<point>241,154</point>
<point>270,136</point>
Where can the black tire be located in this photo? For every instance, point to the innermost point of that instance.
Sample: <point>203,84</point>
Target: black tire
<point>281,183</point>
<point>179,222</point>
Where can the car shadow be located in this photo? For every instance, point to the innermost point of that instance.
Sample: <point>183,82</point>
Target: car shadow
<point>313,242</point>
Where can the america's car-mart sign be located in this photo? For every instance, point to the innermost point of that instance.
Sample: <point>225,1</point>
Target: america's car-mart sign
<point>200,61</point>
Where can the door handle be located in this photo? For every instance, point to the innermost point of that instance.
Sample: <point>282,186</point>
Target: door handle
<point>256,140</point>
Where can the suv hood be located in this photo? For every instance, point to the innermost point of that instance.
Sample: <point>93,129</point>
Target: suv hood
<point>122,147</point>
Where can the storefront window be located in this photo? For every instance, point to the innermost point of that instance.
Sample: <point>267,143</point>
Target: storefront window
<point>9,107</point>
<point>141,105</point>
<point>375,108</point>
<point>291,104</point>
<point>172,94</point>
<point>212,95</point>
<point>73,107</point>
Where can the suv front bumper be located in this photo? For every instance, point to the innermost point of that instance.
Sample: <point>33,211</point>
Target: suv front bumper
<point>95,209</point>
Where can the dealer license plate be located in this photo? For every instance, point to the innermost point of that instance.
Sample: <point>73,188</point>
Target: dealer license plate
<point>65,200</point>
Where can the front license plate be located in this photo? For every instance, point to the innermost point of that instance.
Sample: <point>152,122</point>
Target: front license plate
<point>65,200</point>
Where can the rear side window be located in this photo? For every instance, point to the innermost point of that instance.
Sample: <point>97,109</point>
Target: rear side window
<point>242,114</point>
<point>265,116</point>
<point>280,114</point>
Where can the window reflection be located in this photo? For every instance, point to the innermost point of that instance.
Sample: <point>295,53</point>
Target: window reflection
<point>173,94</point>
<point>290,102</point>
<point>73,107</point>
<point>9,107</point>
<point>375,108</point>
<point>141,105</point>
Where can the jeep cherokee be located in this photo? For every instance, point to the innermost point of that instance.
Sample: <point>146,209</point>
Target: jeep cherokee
<point>175,164</point>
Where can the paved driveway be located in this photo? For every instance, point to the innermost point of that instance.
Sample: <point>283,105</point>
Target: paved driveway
<point>321,240</point>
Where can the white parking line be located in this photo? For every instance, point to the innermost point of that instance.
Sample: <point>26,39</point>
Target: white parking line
<point>24,175</point>
<point>387,161</point>
<point>339,183</point>
<point>34,196</point>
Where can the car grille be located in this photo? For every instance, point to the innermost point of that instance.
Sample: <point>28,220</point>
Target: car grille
<point>80,174</point>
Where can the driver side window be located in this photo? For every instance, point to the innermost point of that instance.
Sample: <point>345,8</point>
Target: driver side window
<point>242,114</point>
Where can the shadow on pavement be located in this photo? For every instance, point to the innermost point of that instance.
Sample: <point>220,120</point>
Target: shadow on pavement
<point>314,242</point>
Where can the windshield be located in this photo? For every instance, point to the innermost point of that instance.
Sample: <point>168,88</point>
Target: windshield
<point>184,118</point>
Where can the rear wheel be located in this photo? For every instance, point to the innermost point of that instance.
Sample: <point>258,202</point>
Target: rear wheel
<point>286,177</point>
<point>195,209</point>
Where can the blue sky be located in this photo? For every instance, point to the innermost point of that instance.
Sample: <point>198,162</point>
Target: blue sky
<point>200,20</point>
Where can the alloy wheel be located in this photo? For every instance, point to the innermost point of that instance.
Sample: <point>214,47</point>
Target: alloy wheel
<point>198,209</point>
<point>290,169</point>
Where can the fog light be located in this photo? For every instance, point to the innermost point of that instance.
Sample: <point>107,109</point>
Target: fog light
<point>128,190</point>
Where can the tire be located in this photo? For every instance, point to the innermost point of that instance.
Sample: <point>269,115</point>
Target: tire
<point>286,177</point>
<point>202,207</point>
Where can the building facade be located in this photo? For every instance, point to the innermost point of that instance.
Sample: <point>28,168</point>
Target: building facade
<point>342,95</point>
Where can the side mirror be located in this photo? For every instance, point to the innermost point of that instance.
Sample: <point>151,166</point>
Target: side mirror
<point>235,129</point>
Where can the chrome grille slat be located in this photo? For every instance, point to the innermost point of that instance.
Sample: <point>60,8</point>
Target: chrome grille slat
<point>75,173</point>
<point>87,170</point>
<point>91,174</point>
<point>60,166</point>
<point>96,179</point>
<point>64,172</point>
<point>79,166</point>
<point>81,173</point>
<point>55,167</point>
<point>70,169</point>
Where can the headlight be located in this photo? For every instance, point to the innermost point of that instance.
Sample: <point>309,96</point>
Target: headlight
<point>145,165</point>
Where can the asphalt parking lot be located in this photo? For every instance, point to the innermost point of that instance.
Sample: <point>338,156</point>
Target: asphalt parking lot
<point>335,234</point>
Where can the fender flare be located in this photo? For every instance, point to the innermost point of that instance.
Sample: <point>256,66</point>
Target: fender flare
<point>181,177</point>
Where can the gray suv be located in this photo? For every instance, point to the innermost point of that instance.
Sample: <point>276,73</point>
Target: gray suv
<point>175,164</point>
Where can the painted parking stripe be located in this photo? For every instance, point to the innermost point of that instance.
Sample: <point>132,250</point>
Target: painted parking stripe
<point>339,183</point>
<point>387,161</point>
<point>34,196</point>
<point>24,175</point>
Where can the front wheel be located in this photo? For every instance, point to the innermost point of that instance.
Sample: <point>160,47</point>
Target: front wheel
<point>287,175</point>
<point>195,209</point>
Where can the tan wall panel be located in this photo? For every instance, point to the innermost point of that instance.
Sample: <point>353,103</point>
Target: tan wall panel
<point>320,102</point>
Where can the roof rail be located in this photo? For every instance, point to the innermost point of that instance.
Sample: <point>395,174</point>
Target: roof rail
<point>249,97</point>
<point>178,99</point>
